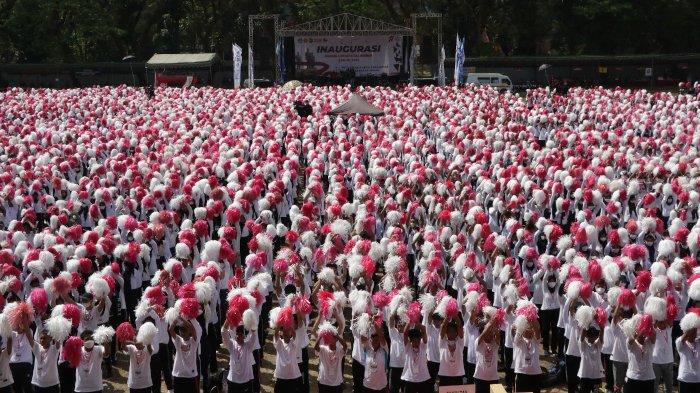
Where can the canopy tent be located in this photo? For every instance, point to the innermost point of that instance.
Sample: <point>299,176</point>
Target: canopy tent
<point>356,105</point>
<point>181,60</point>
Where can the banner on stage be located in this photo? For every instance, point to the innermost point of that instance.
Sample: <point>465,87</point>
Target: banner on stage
<point>365,55</point>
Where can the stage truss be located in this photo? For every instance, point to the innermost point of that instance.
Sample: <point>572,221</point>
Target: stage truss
<point>339,25</point>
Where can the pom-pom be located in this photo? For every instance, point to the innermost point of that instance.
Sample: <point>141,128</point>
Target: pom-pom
<point>643,280</point>
<point>595,273</point>
<point>645,327</point>
<point>147,333</point>
<point>61,285</point>
<point>20,315</point>
<point>656,307</point>
<point>250,320</point>
<point>690,321</point>
<point>58,328</point>
<point>72,350</point>
<point>285,318</point>
<point>414,312</point>
<point>528,310</point>
<point>189,308</point>
<point>125,332</point>
<point>380,299</point>
<point>38,299</point>
<point>103,334</point>
<point>326,332</point>
<point>326,275</point>
<point>302,305</point>
<point>626,298</point>
<point>584,316</point>
<point>601,317</point>
<point>72,312</point>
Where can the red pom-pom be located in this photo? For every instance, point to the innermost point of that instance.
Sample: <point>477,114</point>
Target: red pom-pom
<point>646,326</point>
<point>280,267</point>
<point>61,285</point>
<point>72,312</point>
<point>72,350</point>
<point>39,299</point>
<point>529,312</point>
<point>115,268</point>
<point>626,298</point>
<point>259,299</point>
<point>302,305</point>
<point>499,316</point>
<point>187,291</point>
<point>125,332</point>
<point>21,315</point>
<point>451,309</point>
<point>234,317</point>
<point>285,318</point>
<point>671,309</point>
<point>586,290</point>
<point>381,299</point>
<point>76,280</point>
<point>155,295</point>
<point>601,317</point>
<point>595,273</point>
<point>414,312</point>
<point>15,285</point>
<point>643,280</point>
<point>189,308</point>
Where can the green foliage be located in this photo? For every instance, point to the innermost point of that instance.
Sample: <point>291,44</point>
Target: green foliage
<point>107,30</point>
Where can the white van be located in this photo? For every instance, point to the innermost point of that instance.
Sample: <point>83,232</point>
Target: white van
<point>499,82</point>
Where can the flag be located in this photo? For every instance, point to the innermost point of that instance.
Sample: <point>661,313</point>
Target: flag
<point>279,51</point>
<point>237,61</point>
<point>459,59</point>
<point>251,77</point>
<point>441,69</point>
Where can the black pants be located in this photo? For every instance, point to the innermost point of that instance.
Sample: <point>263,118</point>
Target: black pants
<point>288,385</point>
<point>329,389</point>
<point>562,341</point>
<point>395,379</point>
<point>572,365</point>
<point>419,387</point>
<point>527,383</point>
<point>256,371</point>
<point>22,375</point>
<point>587,385</point>
<point>450,381</point>
<point>144,390</point>
<point>368,390</point>
<point>609,376</point>
<point>510,373</point>
<point>240,387</point>
<point>66,377</point>
<point>358,375</point>
<point>469,369</point>
<point>635,386</point>
<point>550,340</point>
<point>433,368</point>
<point>184,385</point>
<point>687,387</point>
<point>304,368</point>
<point>481,386</point>
<point>50,389</point>
<point>132,298</point>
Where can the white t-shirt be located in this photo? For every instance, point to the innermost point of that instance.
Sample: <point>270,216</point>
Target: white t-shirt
<point>590,360</point>
<point>286,366</point>
<point>574,348</point>
<point>486,361</point>
<point>639,366</point>
<point>21,350</point>
<point>240,357</point>
<point>139,368</point>
<point>88,374</point>
<point>508,322</point>
<point>526,356</point>
<point>433,336</point>
<point>356,344</point>
<point>396,351</point>
<point>451,359</point>
<point>472,333</point>
<point>663,348</point>
<point>375,368</point>
<point>689,365</point>
<point>619,352</point>
<point>415,368</point>
<point>185,363</point>
<point>550,299</point>
<point>330,365</point>
<point>5,373</point>
<point>45,366</point>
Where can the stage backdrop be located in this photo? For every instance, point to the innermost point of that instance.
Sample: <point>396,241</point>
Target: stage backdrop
<point>366,55</point>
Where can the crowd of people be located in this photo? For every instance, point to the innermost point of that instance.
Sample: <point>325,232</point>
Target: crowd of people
<point>462,234</point>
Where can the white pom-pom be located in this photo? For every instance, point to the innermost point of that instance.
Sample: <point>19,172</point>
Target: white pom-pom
<point>630,325</point>
<point>326,328</point>
<point>182,251</point>
<point>611,273</point>
<point>103,334</point>
<point>694,290</point>
<point>666,249</point>
<point>690,321</point>
<point>359,301</point>
<point>58,327</point>
<point>47,259</point>
<point>326,275</point>
<point>427,302</point>
<point>97,286</point>
<point>521,324</point>
<point>171,315</point>
<point>658,284</point>
<point>363,324</point>
<point>573,290</point>
<point>656,307</point>
<point>147,332</point>
<point>613,294</point>
<point>250,320</point>
<point>584,316</point>
<point>211,251</point>
<point>274,313</point>
<point>204,291</point>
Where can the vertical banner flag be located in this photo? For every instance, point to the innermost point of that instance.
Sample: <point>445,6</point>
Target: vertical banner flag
<point>251,77</point>
<point>237,61</point>
<point>441,69</point>
<point>459,59</point>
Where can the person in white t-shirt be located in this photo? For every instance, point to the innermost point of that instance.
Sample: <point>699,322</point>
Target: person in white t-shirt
<point>6,380</point>
<point>487,344</point>
<point>139,379</point>
<point>688,346</point>
<point>396,353</point>
<point>21,360</point>
<point>330,354</point>
<point>640,372</point>
<point>185,340</point>
<point>526,358</point>
<point>45,375</point>
<point>589,371</point>
<point>450,343</point>
<point>240,346</point>
<point>376,354</point>
<point>662,357</point>
<point>88,374</point>
<point>415,369</point>
<point>287,374</point>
